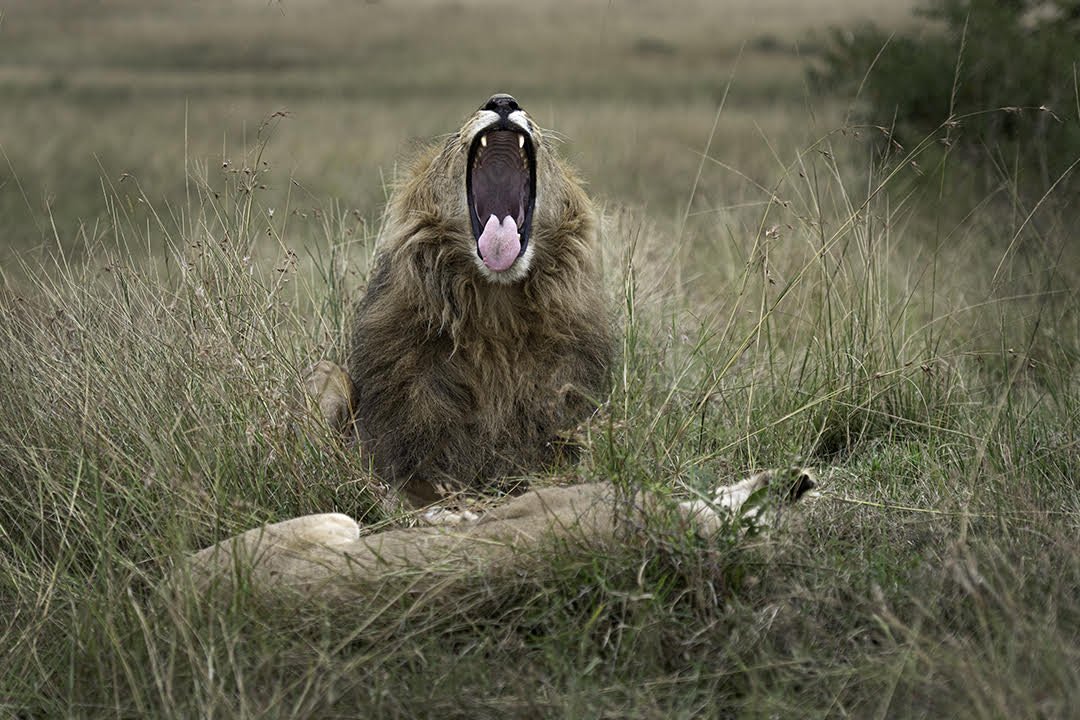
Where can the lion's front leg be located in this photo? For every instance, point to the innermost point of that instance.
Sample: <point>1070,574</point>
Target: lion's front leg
<point>330,387</point>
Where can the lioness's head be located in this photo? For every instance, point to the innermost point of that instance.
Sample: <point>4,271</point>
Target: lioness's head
<point>503,201</point>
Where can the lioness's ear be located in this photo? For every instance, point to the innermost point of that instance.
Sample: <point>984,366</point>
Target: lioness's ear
<point>802,481</point>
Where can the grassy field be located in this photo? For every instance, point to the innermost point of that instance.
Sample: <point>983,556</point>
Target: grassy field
<point>190,195</point>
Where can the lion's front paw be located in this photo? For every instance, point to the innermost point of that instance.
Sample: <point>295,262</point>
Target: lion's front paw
<point>440,516</point>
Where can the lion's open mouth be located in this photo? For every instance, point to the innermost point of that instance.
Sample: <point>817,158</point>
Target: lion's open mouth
<point>501,188</point>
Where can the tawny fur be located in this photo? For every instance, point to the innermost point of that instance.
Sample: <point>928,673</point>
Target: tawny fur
<point>459,380</point>
<point>326,557</point>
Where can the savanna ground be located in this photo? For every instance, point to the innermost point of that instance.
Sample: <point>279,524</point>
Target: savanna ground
<point>190,194</point>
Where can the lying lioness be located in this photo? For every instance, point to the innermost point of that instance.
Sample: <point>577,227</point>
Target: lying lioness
<point>324,556</point>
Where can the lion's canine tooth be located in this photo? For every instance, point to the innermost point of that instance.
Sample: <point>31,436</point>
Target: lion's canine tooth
<point>521,141</point>
<point>483,140</point>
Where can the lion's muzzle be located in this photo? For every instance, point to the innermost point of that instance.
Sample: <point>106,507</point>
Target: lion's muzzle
<point>501,184</point>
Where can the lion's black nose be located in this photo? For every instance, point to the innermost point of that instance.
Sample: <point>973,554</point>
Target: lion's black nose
<point>502,103</point>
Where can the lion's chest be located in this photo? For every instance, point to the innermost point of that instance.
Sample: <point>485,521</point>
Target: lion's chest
<point>508,382</point>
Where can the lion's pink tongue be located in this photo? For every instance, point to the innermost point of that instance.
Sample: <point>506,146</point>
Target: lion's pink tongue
<point>500,243</point>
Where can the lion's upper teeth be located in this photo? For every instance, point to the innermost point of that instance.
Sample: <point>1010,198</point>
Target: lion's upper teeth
<point>483,140</point>
<point>521,141</point>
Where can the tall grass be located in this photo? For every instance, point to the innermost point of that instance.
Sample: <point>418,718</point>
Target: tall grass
<point>921,351</point>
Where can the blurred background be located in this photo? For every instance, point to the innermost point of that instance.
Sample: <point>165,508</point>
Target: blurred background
<point>691,111</point>
<point>139,98</point>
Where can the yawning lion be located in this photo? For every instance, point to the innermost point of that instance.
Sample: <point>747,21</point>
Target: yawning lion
<point>485,330</point>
